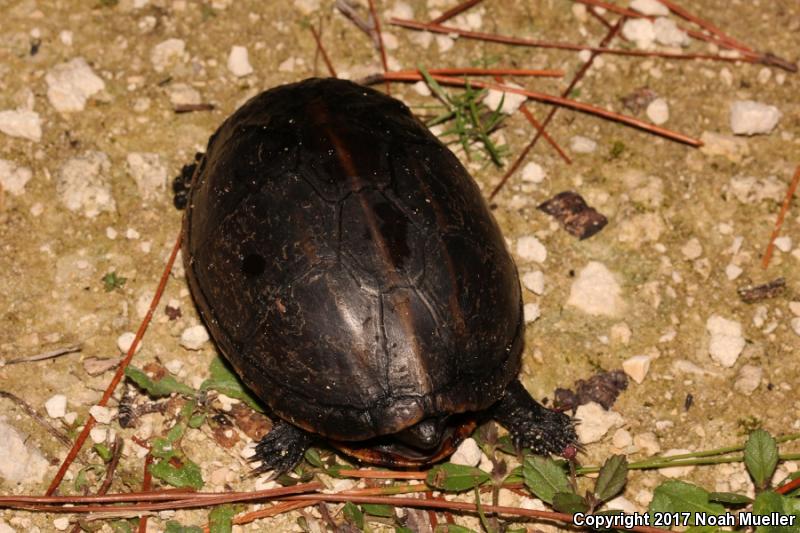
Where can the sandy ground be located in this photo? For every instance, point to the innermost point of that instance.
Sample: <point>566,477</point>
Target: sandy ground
<point>682,221</point>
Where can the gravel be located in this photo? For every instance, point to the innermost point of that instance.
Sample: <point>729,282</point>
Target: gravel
<point>596,291</point>
<point>21,123</point>
<point>13,177</point>
<point>753,118</point>
<point>69,85</point>
<point>726,342</point>
<point>83,184</point>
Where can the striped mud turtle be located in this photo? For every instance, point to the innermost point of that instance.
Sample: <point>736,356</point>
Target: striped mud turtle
<point>347,266</point>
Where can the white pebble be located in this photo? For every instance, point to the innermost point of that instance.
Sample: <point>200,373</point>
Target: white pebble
<point>531,312</point>
<point>595,422</point>
<point>21,123</point>
<point>194,337</point>
<point>401,10</point>
<point>748,379</point>
<point>676,471</point>
<point>658,111</point>
<point>794,307</point>
<point>529,248</point>
<point>166,53</point>
<point>421,88</point>
<point>669,34</point>
<point>636,367</point>
<point>149,173</point>
<point>596,291</point>
<point>111,233</point>
<point>174,366</point>
<point>733,271</point>
<point>533,173</point>
<point>650,7</point>
<point>56,406</point>
<point>795,323</point>
<point>132,234</point>
<point>239,62</point>
<point>728,146</point>
<point>98,435</point>
<point>61,523</point>
<point>511,101</point>
<point>70,84</point>
<point>444,42</point>
<point>784,244</point>
<point>534,282</point>
<point>692,249</point>
<point>13,178</point>
<point>468,453</point>
<point>101,413</point>
<point>726,341</point>
<point>65,36</point>
<point>621,439</point>
<point>621,503</point>
<point>752,118</point>
<point>83,184</point>
<point>125,340</point>
<point>183,94</point>
<point>582,145</point>
<point>641,31</point>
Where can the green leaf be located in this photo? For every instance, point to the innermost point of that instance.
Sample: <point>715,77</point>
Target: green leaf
<point>452,477</point>
<point>374,509</point>
<point>569,502</point>
<point>677,496</point>
<point>103,451</point>
<point>224,380</point>
<point>401,529</point>
<point>187,475</point>
<point>453,528</point>
<point>313,458</point>
<point>354,515</point>
<point>112,281</point>
<point>197,420</point>
<point>729,498</point>
<point>121,526</point>
<point>612,478</point>
<point>761,457</point>
<point>768,502</point>
<point>220,519</point>
<point>176,527</point>
<point>544,477</point>
<point>162,387</point>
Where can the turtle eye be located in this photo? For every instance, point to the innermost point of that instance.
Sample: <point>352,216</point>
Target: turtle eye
<point>253,265</point>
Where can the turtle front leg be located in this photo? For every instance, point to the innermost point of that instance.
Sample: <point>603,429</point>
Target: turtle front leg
<point>281,449</point>
<point>534,426</point>
<point>183,182</point>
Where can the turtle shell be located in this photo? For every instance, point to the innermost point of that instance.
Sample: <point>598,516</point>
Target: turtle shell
<point>346,264</point>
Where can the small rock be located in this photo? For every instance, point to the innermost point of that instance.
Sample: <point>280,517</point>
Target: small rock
<point>61,523</point>
<point>732,271</point>
<point>56,406</point>
<point>728,146</point>
<point>239,62</point>
<point>511,101</point>
<point>658,111</point>
<point>692,249</point>
<point>620,503</point>
<point>748,379</point>
<point>83,184</point>
<point>676,471</point>
<point>795,323</point>
<point>748,189</point>
<point>752,118</point>
<point>531,312</point>
<point>784,244</point>
<point>98,435</point>
<point>573,213</point>
<point>794,307</point>
<point>101,413</point>
<point>70,84</point>
<point>125,341</point>
<point>468,453</point>
<point>534,282</point>
<point>668,33</point>
<point>13,178</point>
<point>21,123</point>
<point>641,31</point>
<point>182,94</point>
<point>621,439</point>
<point>650,7</point>
<point>421,88</point>
<point>167,53</point>
<point>149,173</point>
<point>621,333</point>
<point>193,338</point>
<point>529,248</point>
<point>582,145</point>
<point>20,462</point>
<point>444,43</point>
<point>596,291</point>
<point>648,442</point>
<point>726,341</point>
<point>637,367</point>
<point>94,366</point>
<point>533,173</point>
<point>595,422</point>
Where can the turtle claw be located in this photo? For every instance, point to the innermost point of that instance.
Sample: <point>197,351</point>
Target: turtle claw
<point>534,426</point>
<point>183,182</point>
<point>281,449</point>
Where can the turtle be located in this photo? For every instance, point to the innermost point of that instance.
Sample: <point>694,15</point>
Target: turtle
<point>347,266</point>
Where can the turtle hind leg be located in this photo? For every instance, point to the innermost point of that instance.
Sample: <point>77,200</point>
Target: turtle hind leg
<point>534,426</point>
<point>183,182</point>
<point>281,449</point>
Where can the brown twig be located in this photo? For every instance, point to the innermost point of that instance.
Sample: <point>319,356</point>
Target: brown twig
<point>788,487</point>
<point>706,25</point>
<point>476,71</point>
<point>381,474</point>
<point>146,482</point>
<point>519,41</point>
<point>39,419</point>
<point>189,108</point>
<point>90,422</point>
<point>46,355</point>
<point>382,48</point>
<point>575,79</point>
<point>779,222</point>
<point>322,51</point>
<point>453,11</point>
